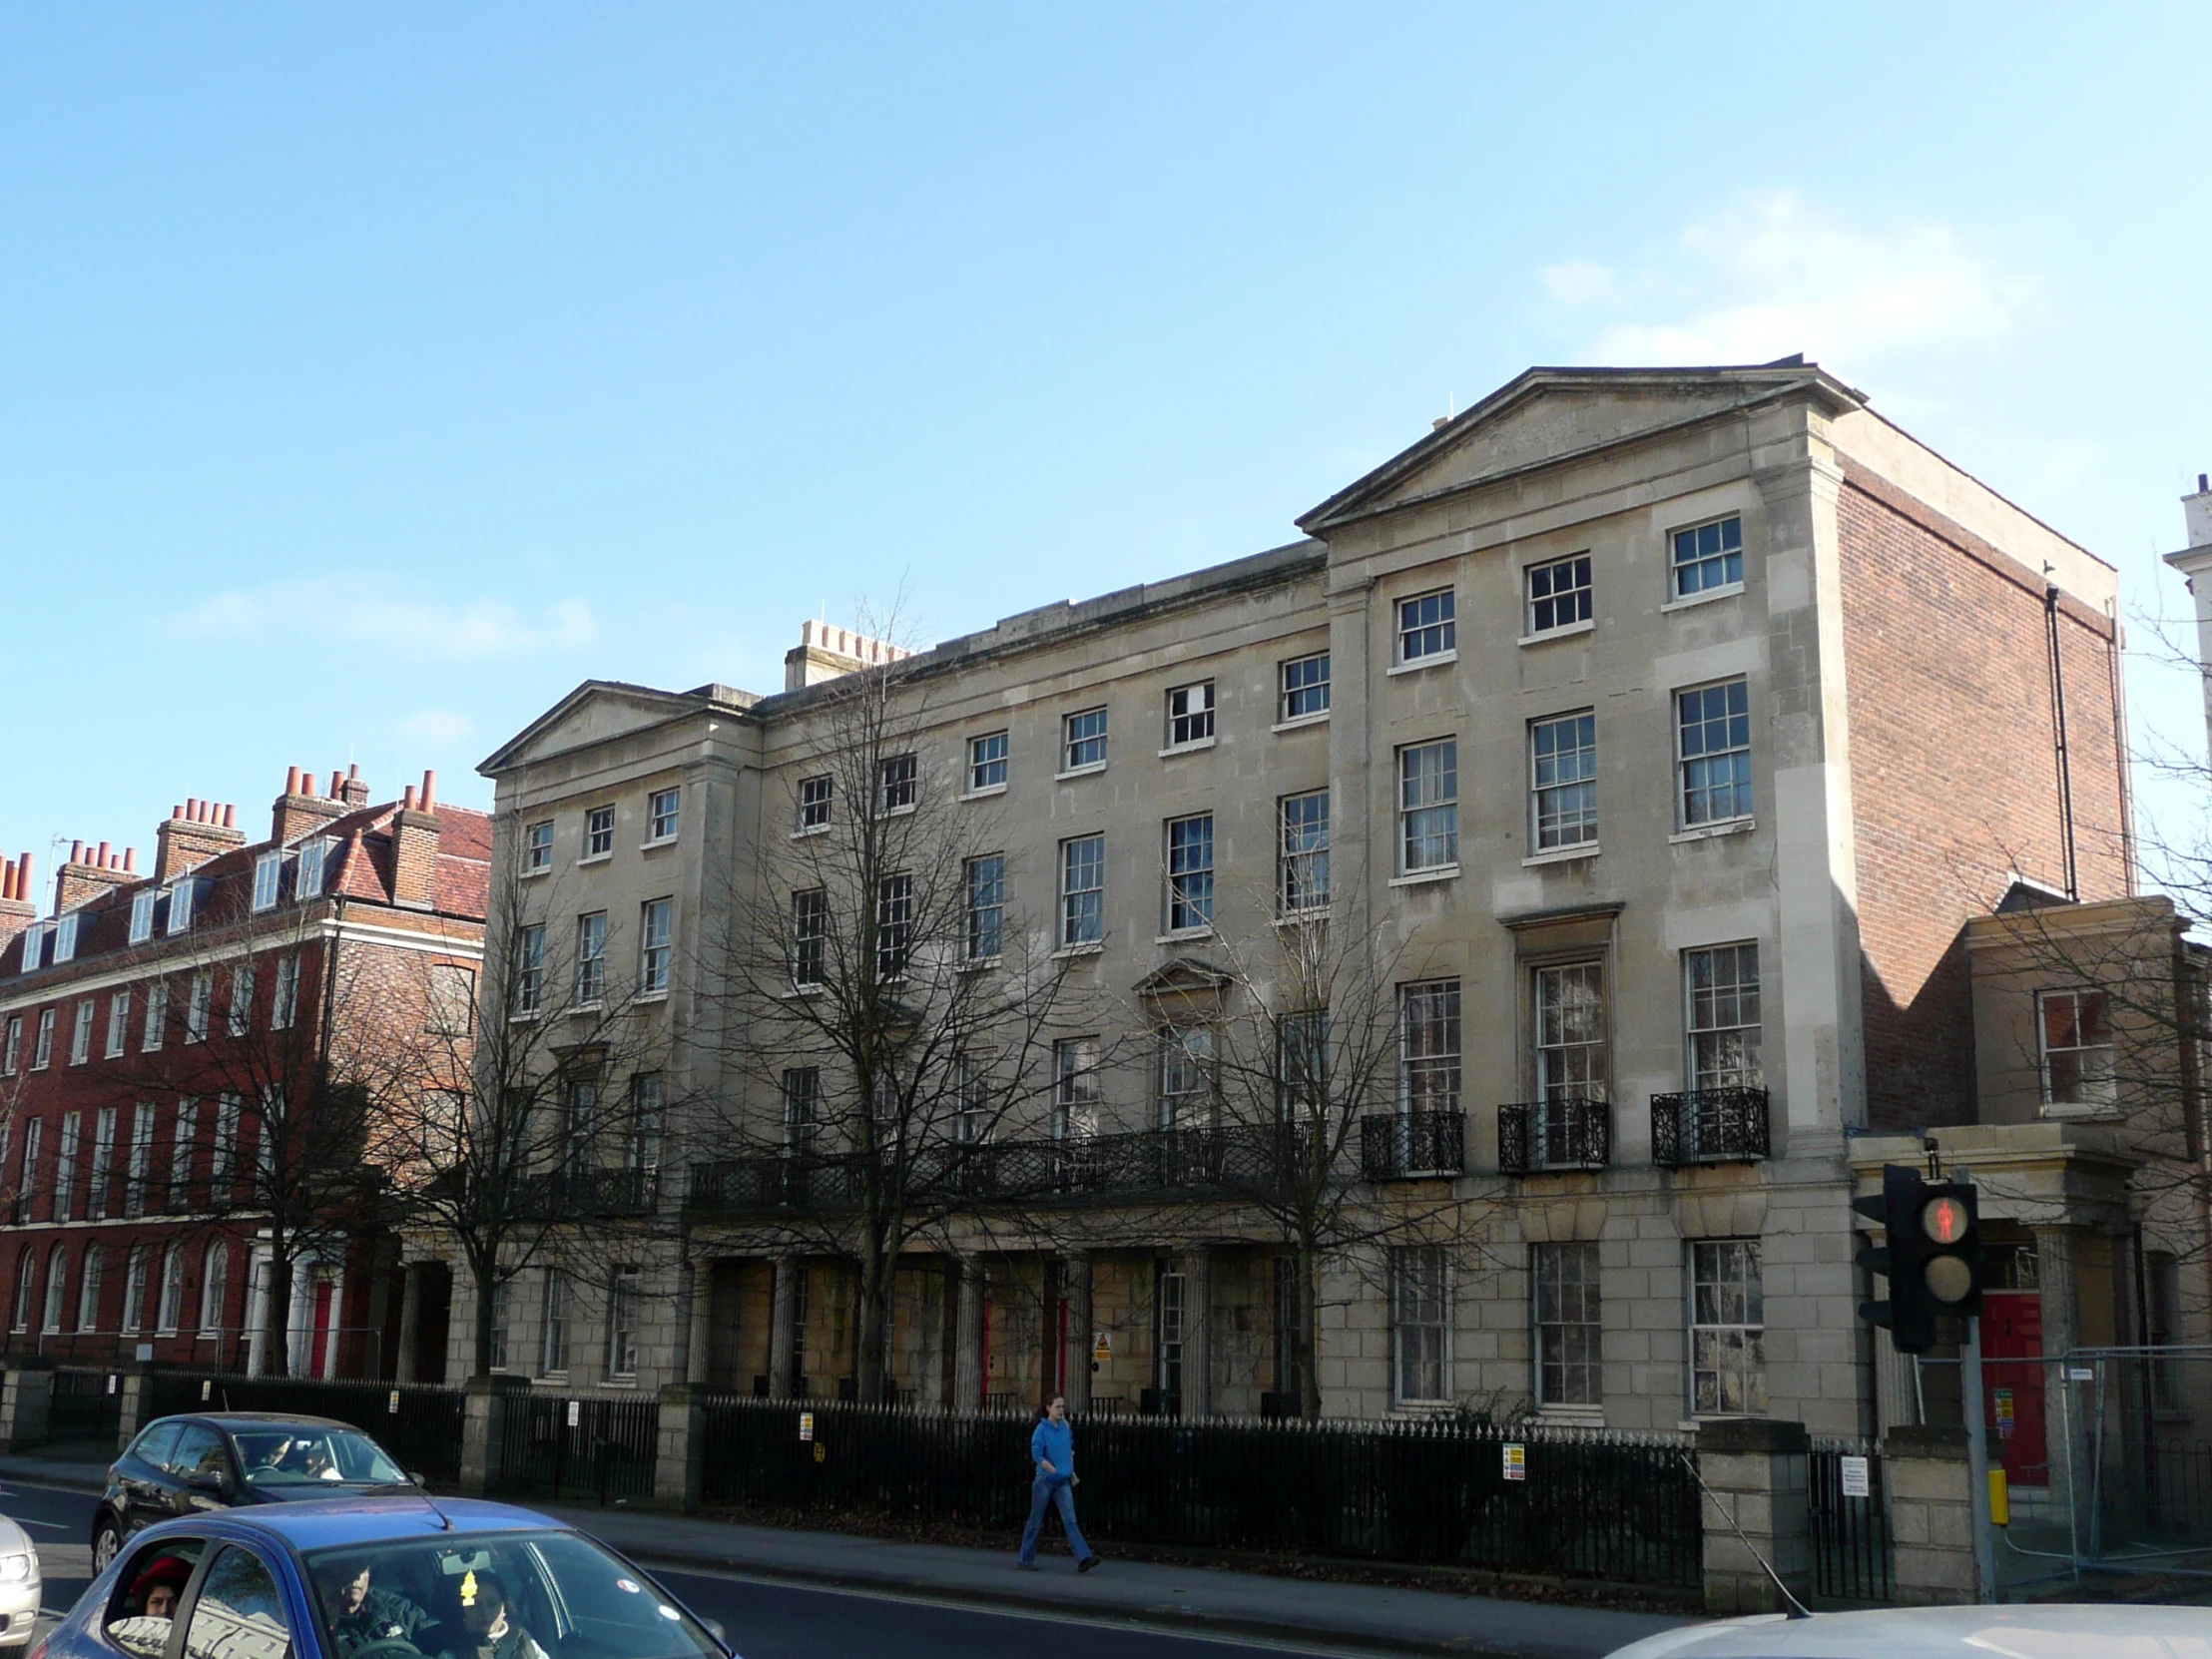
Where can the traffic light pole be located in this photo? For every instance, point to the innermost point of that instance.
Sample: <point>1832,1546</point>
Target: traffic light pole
<point>1977,1464</point>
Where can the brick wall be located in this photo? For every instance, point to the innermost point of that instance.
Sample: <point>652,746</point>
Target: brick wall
<point>1953,776</point>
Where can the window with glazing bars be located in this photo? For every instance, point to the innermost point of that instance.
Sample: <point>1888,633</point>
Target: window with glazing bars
<point>1429,806</point>
<point>2077,1049</point>
<point>663,811</point>
<point>1083,739</point>
<point>815,795</point>
<point>598,831</point>
<point>1191,871</point>
<point>809,935</point>
<point>1721,986</point>
<point>895,790</point>
<point>1708,557</point>
<point>529,967</point>
<point>1189,714</point>
<point>1428,1045</point>
<point>1304,854</point>
<point>987,760</point>
<point>802,1106</point>
<point>894,924</point>
<point>1083,891</point>
<point>1569,1328</point>
<point>1563,780</point>
<point>1074,1087</point>
<point>1570,1032</point>
<point>986,906</point>
<point>1420,1308</point>
<point>1728,1329</point>
<point>656,944</point>
<point>1426,626</point>
<point>537,849</point>
<point>1713,753</point>
<point>1186,1075</point>
<point>1304,687</point>
<point>1559,594</point>
<point>591,957</point>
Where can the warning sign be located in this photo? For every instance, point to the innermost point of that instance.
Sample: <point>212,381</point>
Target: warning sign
<point>806,1426</point>
<point>394,1409</point>
<point>1517,1461</point>
<point>1854,1472</point>
<point>1102,1347</point>
<point>2007,1421</point>
<point>575,1413</point>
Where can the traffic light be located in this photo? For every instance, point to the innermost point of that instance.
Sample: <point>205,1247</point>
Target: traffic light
<point>1931,1254</point>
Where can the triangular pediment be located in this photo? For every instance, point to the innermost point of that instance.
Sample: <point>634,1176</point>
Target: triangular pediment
<point>593,713</point>
<point>1185,976</point>
<point>1549,415</point>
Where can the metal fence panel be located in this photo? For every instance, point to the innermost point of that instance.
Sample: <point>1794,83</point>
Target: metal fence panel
<point>86,1405</point>
<point>1852,1549</point>
<point>555,1446</point>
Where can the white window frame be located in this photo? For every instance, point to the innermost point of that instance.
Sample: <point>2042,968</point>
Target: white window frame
<point>214,1287</point>
<point>155,1029</point>
<point>984,892</point>
<point>42,1045</point>
<point>1694,788</point>
<point>1189,717</point>
<point>65,1164</point>
<point>1574,597</point>
<point>1301,853</point>
<point>141,1159</point>
<point>183,1137</point>
<point>142,916</point>
<point>1430,821</point>
<point>268,881</point>
<point>1291,687</point>
<point>656,946</point>
<point>237,1012</point>
<point>529,969</point>
<point>12,1055</point>
<point>133,1312</point>
<point>599,833</point>
<point>34,946</point>
<point>989,767</point>
<point>1572,1024</point>
<point>200,1006</point>
<point>590,986</point>
<point>89,1287</point>
<point>1716,1012</point>
<point>284,997</point>
<point>1189,851</point>
<point>664,814</point>
<point>1189,1079</point>
<point>65,938</point>
<point>119,1022</point>
<point>1418,638</point>
<point>1077,753</point>
<point>1562,783</point>
<point>894,924</point>
<point>809,936</point>
<point>537,847</point>
<point>553,1325</point>
<point>80,1031</point>
<point>1677,566</point>
<point>1566,1314</point>
<point>168,1316</point>
<point>2099,1093</point>
<point>1735,1349</point>
<point>818,804</point>
<point>1082,905</point>
<point>1074,1088</point>
<point>898,784</point>
<point>181,899</point>
<point>625,1291</point>
<point>103,1159</point>
<point>1432,1045</point>
<point>1420,1284</point>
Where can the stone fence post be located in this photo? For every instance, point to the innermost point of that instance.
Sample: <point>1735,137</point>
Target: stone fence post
<point>485,1402</point>
<point>1930,1486</point>
<point>1757,1473</point>
<point>137,1407</point>
<point>26,1399</point>
<point>677,1466</point>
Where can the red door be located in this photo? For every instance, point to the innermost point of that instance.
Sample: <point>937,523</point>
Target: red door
<point>2013,1384</point>
<point>319,1356</point>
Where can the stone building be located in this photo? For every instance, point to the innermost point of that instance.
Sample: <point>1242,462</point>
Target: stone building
<point>166,1038</point>
<point>1671,727</point>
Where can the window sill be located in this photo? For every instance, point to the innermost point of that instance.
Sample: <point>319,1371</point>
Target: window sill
<point>981,964</point>
<point>648,996</point>
<point>1067,952</point>
<point>1692,601</point>
<point>1710,831</point>
<point>1184,935</point>
<point>1562,854</point>
<point>592,1007</point>
<point>1572,630</point>
<point>1438,659</point>
<point>798,993</point>
<point>654,846</point>
<point>1421,877</point>
<point>1581,1416</point>
<point>1312,915</point>
<point>811,830</point>
<point>537,874</point>
<point>907,810</point>
<point>985,792</point>
<point>1301,722</point>
<point>523,1016</point>
<point>1190,748</point>
<point>594,858</point>
<point>1090,771</point>
<point>2083,1114</point>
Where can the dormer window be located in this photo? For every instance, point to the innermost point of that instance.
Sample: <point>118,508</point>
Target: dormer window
<point>268,879</point>
<point>142,916</point>
<point>34,945</point>
<point>64,939</point>
<point>180,908</point>
<point>312,856</point>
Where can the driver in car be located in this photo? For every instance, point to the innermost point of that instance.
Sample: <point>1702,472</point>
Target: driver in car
<point>360,1613</point>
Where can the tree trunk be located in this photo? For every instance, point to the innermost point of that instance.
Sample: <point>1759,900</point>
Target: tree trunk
<point>479,1335</point>
<point>276,1313</point>
<point>1308,1333</point>
<point>872,1313</point>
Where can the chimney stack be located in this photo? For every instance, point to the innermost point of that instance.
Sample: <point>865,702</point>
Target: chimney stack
<point>91,871</point>
<point>192,834</point>
<point>300,811</point>
<point>415,846</point>
<point>355,789</point>
<point>17,909</point>
<point>825,653</point>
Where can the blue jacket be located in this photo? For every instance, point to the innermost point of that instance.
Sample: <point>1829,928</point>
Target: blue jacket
<point>1055,1440</point>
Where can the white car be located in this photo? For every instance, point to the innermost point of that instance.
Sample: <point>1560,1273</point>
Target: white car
<point>20,1586</point>
<point>2055,1630</point>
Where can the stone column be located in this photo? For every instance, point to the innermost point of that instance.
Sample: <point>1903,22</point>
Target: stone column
<point>1198,1335</point>
<point>484,1407</point>
<point>26,1399</point>
<point>681,1321</point>
<point>782,1309</point>
<point>1756,1470</point>
<point>968,1357</point>
<point>677,1466</point>
<point>1076,1276</point>
<point>410,1324</point>
<point>1931,1490</point>
<point>701,1350</point>
<point>137,1409</point>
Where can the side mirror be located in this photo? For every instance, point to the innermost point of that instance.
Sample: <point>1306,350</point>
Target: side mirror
<point>208,1481</point>
<point>714,1629</point>
<point>419,1477</point>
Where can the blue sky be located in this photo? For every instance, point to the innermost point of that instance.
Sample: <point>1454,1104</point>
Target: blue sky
<point>374,375</point>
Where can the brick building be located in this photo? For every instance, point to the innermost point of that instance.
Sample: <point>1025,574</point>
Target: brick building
<point>177,1051</point>
<point>1830,698</point>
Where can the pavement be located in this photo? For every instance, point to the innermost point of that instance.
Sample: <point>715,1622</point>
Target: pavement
<point>1195,1600</point>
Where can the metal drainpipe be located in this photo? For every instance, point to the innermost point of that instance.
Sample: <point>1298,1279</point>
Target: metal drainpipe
<point>2059,729</point>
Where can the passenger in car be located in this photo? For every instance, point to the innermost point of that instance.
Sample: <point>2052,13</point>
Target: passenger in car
<point>491,1634</point>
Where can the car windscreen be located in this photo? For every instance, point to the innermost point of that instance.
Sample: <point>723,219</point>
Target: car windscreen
<point>299,1455</point>
<point>507,1595</point>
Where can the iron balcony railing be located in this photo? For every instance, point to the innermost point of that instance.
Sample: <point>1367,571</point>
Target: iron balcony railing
<point>1239,1158</point>
<point>1538,1136</point>
<point>1709,1126</point>
<point>1407,1146</point>
<point>595,1194</point>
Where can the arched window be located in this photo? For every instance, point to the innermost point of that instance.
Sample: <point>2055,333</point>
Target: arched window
<point>212,1284</point>
<point>88,1291</point>
<point>57,1288</point>
<point>26,1287</point>
<point>172,1291</point>
<point>133,1293</point>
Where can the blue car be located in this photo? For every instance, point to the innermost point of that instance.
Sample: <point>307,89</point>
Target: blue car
<point>375,1578</point>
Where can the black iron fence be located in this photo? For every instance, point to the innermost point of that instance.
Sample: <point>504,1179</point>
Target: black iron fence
<point>1851,1554</point>
<point>1539,1135</point>
<point>1709,1126</point>
<point>599,1194</point>
<point>1587,1505</point>
<point>1401,1146</point>
<point>419,1424</point>
<point>86,1405</point>
<point>553,1446</point>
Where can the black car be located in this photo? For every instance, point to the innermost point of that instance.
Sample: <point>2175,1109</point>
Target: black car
<point>182,1465</point>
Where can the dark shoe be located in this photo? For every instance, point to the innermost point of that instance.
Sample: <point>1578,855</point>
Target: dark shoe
<point>1088,1562</point>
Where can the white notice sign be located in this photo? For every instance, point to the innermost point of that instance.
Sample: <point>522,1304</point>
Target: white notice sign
<point>806,1426</point>
<point>1854,1476</point>
<point>575,1413</point>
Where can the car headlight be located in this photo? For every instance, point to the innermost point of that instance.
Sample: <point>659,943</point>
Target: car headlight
<point>16,1569</point>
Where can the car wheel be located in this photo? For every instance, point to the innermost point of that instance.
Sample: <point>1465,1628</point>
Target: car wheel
<point>107,1541</point>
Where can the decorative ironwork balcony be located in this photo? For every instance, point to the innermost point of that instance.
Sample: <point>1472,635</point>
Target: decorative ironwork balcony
<point>1709,1126</point>
<point>591,1193</point>
<point>1535,1137</point>
<point>1410,1146</point>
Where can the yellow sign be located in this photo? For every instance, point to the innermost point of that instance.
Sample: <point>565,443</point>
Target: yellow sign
<point>821,1452</point>
<point>1516,1461</point>
<point>2000,1499</point>
<point>1102,1347</point>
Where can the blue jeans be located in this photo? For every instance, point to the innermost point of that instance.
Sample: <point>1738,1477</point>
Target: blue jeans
<point>1051,1489</point>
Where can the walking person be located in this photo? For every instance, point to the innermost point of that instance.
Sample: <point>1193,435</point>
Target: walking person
<point>1052,1456</point>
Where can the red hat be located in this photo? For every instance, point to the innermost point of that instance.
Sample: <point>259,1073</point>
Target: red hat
<point>171,1570</point>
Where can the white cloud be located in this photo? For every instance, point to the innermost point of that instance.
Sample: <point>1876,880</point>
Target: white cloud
<point>437,726</point>
<point>1774,274</point>
<point>372,613</point>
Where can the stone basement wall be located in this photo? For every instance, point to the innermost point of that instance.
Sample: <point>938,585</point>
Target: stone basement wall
<point>1943,809</point>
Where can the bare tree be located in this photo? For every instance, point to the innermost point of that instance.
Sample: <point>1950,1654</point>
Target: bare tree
<point>883,1005</point>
